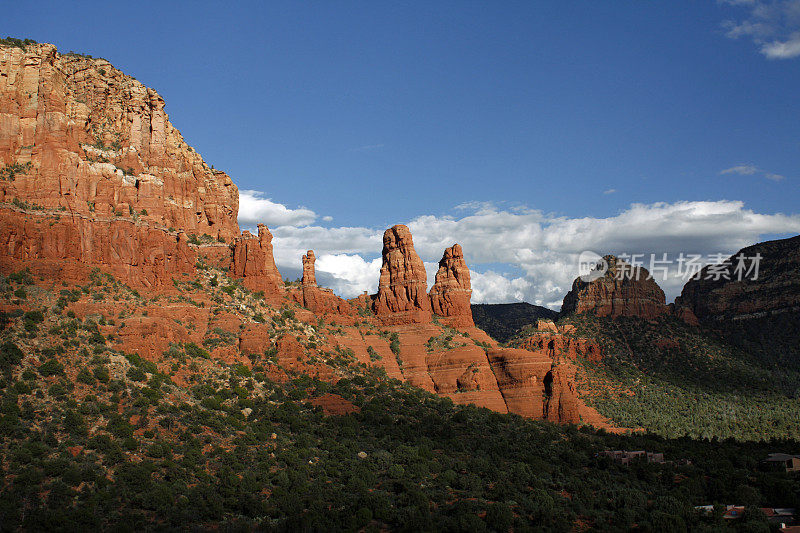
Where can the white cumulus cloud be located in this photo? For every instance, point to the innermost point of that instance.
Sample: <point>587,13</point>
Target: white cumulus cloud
<point>539,250</point>
<point>254,209</point>
<point>772,25</point>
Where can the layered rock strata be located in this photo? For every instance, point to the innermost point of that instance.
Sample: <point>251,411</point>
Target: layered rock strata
<point>623,290</point>
<point>79,136</point>
<point>402,289</point>
<point>67,248</point>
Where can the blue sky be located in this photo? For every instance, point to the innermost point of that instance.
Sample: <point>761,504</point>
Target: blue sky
<point>461,118</point>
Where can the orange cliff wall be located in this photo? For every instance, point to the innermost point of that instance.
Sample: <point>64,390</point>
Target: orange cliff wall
<point>99,142</point>
<point>95,175</point>
<point>67,248</point>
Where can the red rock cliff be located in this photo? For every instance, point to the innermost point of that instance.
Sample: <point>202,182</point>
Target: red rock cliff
<point>68,247</point>
<point>622,291</point>
<point>451,292</point>
<point>402,289</point>
<point>723,296</point>
<point>91,141</point>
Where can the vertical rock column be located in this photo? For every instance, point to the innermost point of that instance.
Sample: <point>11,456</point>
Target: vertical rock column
<point>402,290</point>
<point>451,293</point>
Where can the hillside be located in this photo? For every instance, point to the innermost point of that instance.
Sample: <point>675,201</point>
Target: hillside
<point>99,437</point>
<point>762,315</point>
<point>679,380</point>
<point>503,321</point>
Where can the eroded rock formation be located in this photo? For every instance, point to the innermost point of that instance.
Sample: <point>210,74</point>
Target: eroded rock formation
<point>558,346</point>
<point>88,140</point>
<point>254,262</point>
<point>402,289</point>
<point>309,271</point>
<point>95,176</point>
<point>623,290</point>
<point>561,403</point>
<point>319,300</point>
<point>451,292</point>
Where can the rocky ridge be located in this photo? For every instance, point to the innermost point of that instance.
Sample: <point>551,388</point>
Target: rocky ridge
<point>717,294</point>
<point>98,180</point>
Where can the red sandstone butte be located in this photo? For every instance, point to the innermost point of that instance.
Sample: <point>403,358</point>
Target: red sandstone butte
<point>96,176</point>
<point>451,292</point>
<point>622,291</point>
<point>254,263</point>
<point>402,289</point>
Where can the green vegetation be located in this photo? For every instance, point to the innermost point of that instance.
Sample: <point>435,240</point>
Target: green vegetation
<point>202,239</point>
<point>9,172</point>
<point>95,438</point>
<point>17,43</point>
<point>676,380</point>
<point>504,321</point>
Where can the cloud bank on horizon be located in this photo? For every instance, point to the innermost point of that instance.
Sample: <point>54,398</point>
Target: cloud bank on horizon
<point>515,254</point>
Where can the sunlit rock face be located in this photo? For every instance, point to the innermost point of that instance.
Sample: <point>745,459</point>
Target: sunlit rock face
<point>402,289</point>
<point>622,290</point>
<point>451,292</point>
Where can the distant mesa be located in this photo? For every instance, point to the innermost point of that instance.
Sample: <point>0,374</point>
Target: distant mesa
<point>623,290</point>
